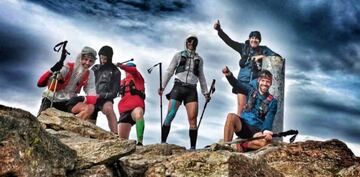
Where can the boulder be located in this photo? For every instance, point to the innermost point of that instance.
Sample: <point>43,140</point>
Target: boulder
<point>26,149</point>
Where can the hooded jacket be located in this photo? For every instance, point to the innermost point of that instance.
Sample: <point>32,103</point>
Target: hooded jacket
<point>74,83</point>
<point>187,75</point>
<point>107,76</point>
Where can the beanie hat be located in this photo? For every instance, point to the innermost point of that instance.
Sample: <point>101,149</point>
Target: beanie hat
<point>130,64</point>
<point>89,51</point>
<point>255,34</point>
<point>107,51</point>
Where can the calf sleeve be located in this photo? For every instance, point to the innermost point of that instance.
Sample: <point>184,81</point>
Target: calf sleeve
<point>193,137</point>
<point>164,133</point>
<point>171,115</point>
<point>140,126</point>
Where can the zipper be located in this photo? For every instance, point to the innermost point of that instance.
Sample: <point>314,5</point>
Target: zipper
<point>188,70</point>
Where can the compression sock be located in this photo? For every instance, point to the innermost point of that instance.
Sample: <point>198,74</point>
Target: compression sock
<point>164,133</point>
<point>193,137</point>
<point>140,126</point>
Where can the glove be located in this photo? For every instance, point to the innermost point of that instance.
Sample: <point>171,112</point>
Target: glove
<point>58,65</point>
<point>75,100</point>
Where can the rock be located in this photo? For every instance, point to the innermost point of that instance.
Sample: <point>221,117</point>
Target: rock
<point>26,149</point>
<point>73,147</point>
<point>95,171</point>
<point>58,120</point>
<point>310,158</point>
<point>353,171</point>
<point>92,151</point>
<point>137,163</point>
<point>211,164</point>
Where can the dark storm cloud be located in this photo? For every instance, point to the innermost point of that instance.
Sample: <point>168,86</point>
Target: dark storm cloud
<point>320,113</point>
<point>327,32</point>
<point>18,53</point>
<point>126,15</point>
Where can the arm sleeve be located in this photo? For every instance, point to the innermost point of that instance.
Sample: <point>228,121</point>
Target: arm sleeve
<point>238,86</point>
<point>270,115</point>
<point>231,43</point>
<point>44,78</point>
<point>170,70</point>
<point>202,80</point>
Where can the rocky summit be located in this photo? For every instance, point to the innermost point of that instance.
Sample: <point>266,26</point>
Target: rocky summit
<point>59,144</point>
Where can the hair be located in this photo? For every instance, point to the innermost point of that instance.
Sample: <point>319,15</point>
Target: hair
<point>265,73</point>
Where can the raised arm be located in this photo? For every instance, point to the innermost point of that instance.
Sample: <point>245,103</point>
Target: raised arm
<point>238,86</point>
<point>231,43</point>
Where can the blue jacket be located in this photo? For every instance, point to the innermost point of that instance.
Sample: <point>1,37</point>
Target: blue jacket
<point>252,117</point>
<point>247,70</point>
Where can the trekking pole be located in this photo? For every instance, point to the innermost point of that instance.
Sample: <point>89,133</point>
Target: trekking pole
<point>280,134</point>
<point>211,91</point>
<point>64,53</point>
<point>120,63</point>
<point>160,87</point>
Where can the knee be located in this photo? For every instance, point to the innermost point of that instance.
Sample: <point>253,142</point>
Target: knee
<point>231,117</point>
<point>108,109</point>
<point>90,108</point>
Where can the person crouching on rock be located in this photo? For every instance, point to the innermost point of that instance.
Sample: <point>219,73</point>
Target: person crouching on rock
<point>258,115</point>
<point>131,105</point>
<point>107,79</point>
<point>71,78</point>
<point>187,66</point>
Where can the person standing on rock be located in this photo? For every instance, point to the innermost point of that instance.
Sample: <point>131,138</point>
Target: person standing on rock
<point>131,105</point>
<point>251,53</point>
<point>107,79</point>
<point>72,77</point>
<point>257,117</point>
<point>187,66</point>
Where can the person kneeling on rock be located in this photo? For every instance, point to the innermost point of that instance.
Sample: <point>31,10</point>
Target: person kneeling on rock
<point>132,105</point>
<point>71,77</point>
<point>258,115</point>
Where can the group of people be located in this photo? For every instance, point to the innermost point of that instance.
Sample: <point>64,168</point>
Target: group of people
<point>102,84</point>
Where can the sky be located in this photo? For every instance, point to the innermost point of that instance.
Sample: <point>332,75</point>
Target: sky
<point>319,40</point>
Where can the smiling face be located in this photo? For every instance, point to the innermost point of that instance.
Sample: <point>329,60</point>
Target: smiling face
<point>264,84</point>
<point>254,41</point>
<point>87,61</point>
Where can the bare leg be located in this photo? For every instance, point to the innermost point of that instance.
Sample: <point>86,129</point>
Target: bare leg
<point>257,144</point>
<point>124,130</point>
<point>83,110</point>
<point>108,110</point>
<point>241,103</point>
<point>192,112</point>
<point>232,125</point>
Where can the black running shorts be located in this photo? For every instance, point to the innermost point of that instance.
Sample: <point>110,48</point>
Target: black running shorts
<point>182,92</point>
<point>126,118</point>
<point>247,131</point>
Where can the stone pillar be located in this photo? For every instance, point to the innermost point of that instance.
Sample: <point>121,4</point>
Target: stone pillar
<point>276,65</point>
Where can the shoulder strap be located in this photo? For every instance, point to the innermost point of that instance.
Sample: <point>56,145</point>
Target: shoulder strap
<point>83,81</point>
